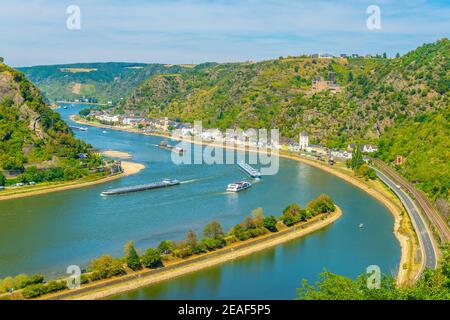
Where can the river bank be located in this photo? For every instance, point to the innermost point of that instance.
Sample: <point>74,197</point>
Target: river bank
<point>116,154</point>
<point>129,168</point>
<point>135,280</point>
<point>404,234</point>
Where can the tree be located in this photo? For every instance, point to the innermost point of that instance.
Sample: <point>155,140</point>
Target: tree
<point>84,112</point>
<point>132,257</point>
<point>151,258</point>
<point>213,230</point>
<point>191,239</point>
<point>258,217</point>
<point>106,267</point>
<point>350,76</point>
<point>165,247</point>
<point>432,285</point>
<point>270,223</point>
<point>357,157</point>
<point>321,204</point>
<point>384,55</point>
<point>2,180</point>
<point>397,55</point>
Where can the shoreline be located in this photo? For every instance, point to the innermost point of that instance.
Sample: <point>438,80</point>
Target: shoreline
<point>144,278</point>
<point>382,197</point>
<point>129,168</point>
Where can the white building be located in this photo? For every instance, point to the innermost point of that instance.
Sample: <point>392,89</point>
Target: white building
<point>108,118</point>
<point>304,140</point>
<point>369,148</point>
<point>132,120</point>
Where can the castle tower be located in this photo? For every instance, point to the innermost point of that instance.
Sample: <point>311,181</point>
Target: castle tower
<point>304,140</point>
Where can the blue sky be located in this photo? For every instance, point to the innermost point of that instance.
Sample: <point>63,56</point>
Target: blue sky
<point>33,32</point>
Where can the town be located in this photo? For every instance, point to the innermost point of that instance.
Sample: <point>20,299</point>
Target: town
<point>186,130</point>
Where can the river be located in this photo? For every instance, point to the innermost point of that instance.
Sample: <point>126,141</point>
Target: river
<point>47,233</point>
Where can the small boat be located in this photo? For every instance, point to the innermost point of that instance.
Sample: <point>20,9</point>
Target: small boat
<point>166,146</point>
<point>238,186</point>
<point>361,225</point>
<point>103,131</point>
<point>65,107</point>
<point>78,128</point>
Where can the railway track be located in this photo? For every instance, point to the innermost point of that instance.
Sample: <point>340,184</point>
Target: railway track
<point>420,200</point>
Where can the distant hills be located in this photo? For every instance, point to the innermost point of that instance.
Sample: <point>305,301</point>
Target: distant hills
<point>97,82</point>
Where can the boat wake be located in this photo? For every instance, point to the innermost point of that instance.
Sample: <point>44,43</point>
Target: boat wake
<point>191,181</point>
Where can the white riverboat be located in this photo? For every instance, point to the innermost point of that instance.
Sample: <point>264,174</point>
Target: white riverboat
<point>238,186</point>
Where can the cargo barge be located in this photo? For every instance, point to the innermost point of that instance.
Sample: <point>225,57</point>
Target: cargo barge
<point>252,172</point>
<point>143,187</point>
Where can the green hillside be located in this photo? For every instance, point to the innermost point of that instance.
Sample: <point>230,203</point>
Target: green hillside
<point>277,94</point>
<point>98,82</point>
<point>425,142</point>
<point>409,94</point>
<point>33,137</point>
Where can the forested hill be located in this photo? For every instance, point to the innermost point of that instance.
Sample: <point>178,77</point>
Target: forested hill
<point>30,132</point>
<point>374,93</point>
<point>98,82</point>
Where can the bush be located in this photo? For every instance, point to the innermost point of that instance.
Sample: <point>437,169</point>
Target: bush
<point>270,223</point>
<point>106,267</point>
<point>2,180</point>
<point>21,281</point>
<point>151,258</point>
<point>84,112</point>
<point>166,247</point>
<point>322,204</point>
<point>291,214</point>
<point>34,291</point>
<point>6,284</point>
<point>84,279</point>
<point>211,244</point>
<point>53,286</point>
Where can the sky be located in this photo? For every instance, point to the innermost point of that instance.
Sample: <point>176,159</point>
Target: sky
<point>34,32</point>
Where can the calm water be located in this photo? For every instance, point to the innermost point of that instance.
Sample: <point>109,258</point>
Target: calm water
<point>47,233</point>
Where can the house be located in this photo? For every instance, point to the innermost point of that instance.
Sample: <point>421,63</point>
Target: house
<point>132,121</point>
<point>304,140</point>
<point>340,154</point>
<point>399,160</point>
<point>351,147</point>
<point>317,149</point>
<point>320,85</point>
<point>107,118</point>
<point>369,148</point>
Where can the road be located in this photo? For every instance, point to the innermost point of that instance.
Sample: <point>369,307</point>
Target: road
<point>442,229</point>
<point>426,243</point>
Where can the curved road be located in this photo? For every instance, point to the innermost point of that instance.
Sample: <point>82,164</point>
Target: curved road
<point>428,249</point>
